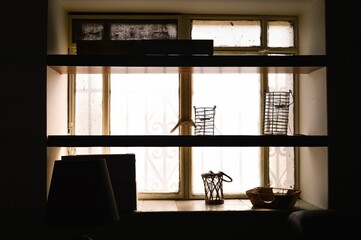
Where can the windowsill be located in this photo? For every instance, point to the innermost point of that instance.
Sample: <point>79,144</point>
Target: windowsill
<point>200,205</point>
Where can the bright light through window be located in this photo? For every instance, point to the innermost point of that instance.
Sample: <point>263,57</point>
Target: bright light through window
<point>147,104</point>
<point>237,100</point>
<point>228,33</point>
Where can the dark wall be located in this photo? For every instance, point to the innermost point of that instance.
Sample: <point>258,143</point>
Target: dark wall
<point>343,76</point>
<point>23,117</point>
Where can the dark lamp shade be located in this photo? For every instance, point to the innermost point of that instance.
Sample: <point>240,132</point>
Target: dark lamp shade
<point>80,195</point>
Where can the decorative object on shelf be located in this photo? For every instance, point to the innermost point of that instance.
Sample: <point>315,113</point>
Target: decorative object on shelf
<point>182,122</point>
<point>204,120</point>
<point>213,186</point>
<point>122,173</point>
<point>276,112</point>
<point>80,196</point>
<point>145,47</point>
<point>275,198</point>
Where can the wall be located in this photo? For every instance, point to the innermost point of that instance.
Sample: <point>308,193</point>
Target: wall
<point>57,84</point>
<point>23,118</point>
<point>313,121</point>
<point>57,116</point>
<point>312,97</point>
<point>57,28</point>
<point>343,98</point>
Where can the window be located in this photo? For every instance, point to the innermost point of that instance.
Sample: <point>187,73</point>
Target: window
<point>141,102</point>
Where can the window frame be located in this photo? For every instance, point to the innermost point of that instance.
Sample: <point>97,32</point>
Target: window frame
<point>185,85</point>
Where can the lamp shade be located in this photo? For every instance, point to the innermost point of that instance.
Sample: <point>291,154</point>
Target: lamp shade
<point>80,195</point>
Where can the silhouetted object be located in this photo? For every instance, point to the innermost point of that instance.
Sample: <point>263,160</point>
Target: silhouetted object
<point>213,187</point>
<point>276,111</point>
<point>276,198</point>
<point>145,47</point>
<point>204,120</point>
<point>80,196</point>
<point>121,168</point>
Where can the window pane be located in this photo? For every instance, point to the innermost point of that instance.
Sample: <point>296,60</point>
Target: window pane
<point>88,104</point>
<point>147,104</point>
<point>280,34</point>
<point>281,159</point>
<point>92,31</point>
<point>142,31</point>
<point>281,167</point>
<point>237,100</point>
<point>228,33</point>
<point>88,98</point>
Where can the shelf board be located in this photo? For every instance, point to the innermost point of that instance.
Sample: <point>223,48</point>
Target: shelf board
<point>98,64</point>
<point>186,141</point>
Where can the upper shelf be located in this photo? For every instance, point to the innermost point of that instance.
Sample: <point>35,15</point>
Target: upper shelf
<point>97,64</point>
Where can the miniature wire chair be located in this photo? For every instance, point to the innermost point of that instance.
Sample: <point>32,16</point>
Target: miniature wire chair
<point>204,120</point>
<point>276,112</point>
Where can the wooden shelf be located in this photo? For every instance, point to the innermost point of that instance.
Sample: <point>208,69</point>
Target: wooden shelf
<point>185,141</point>
<point>97,64</point>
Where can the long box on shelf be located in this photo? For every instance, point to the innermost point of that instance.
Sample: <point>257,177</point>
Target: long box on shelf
<point>145,47</point>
